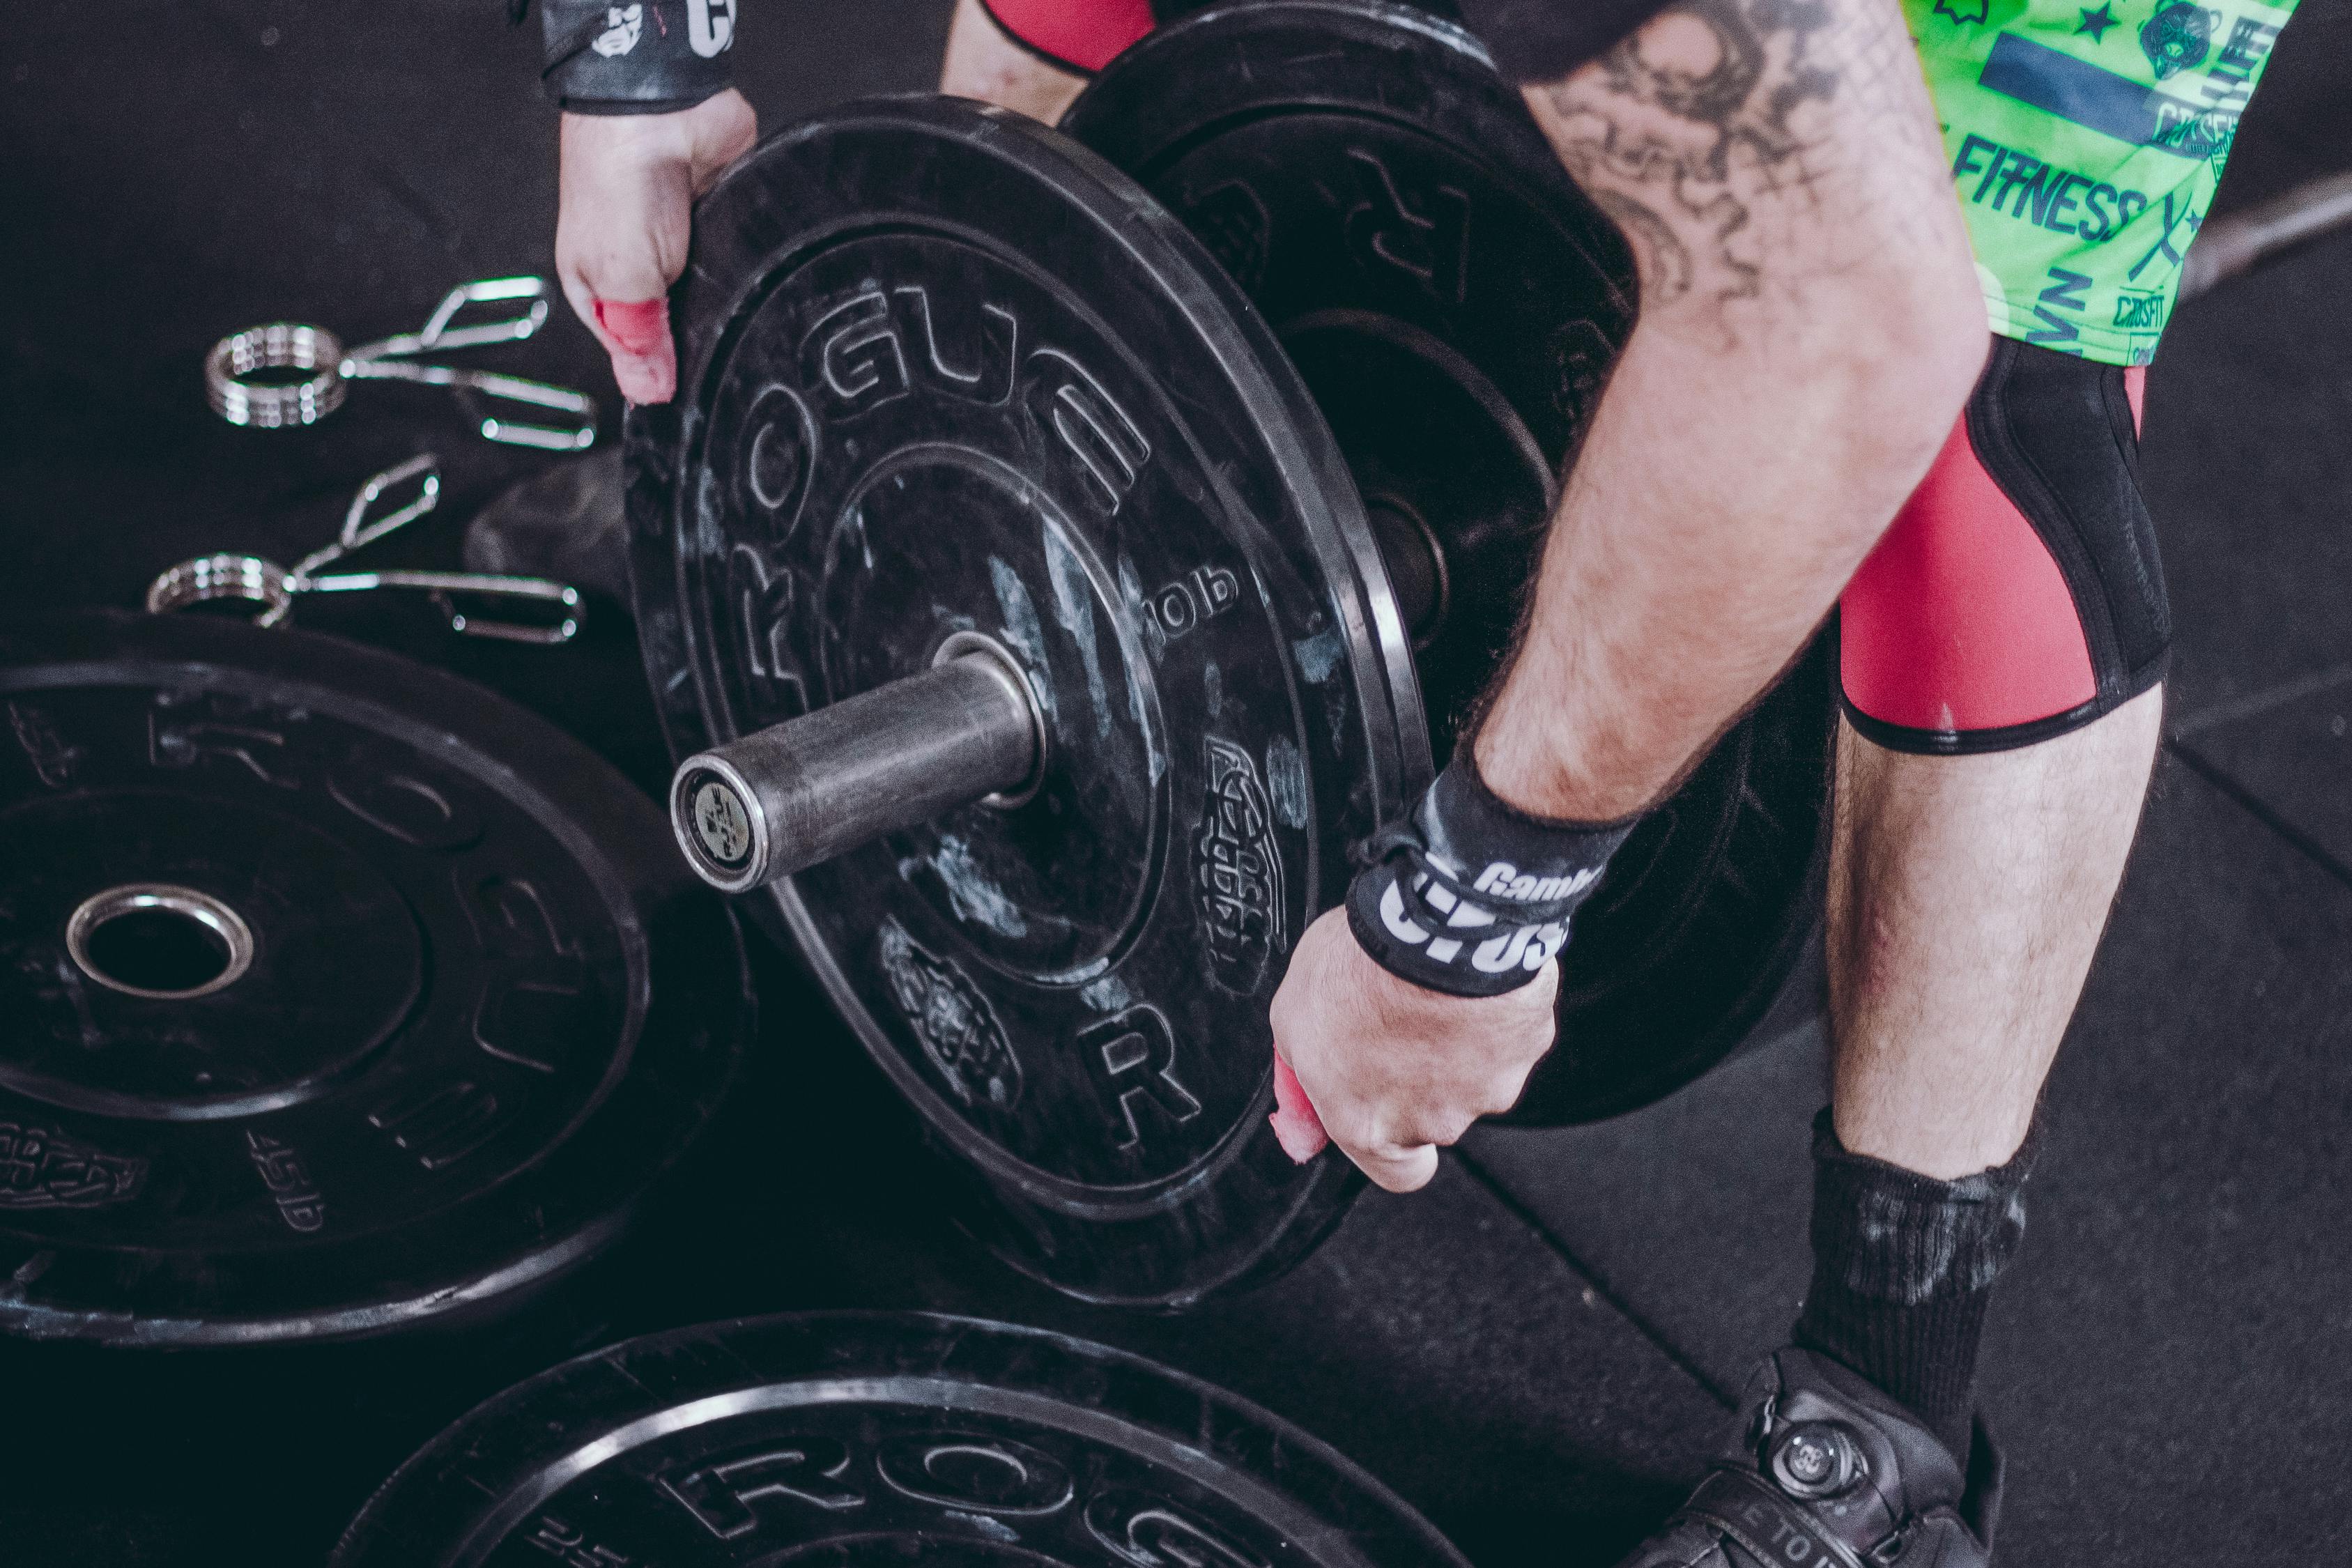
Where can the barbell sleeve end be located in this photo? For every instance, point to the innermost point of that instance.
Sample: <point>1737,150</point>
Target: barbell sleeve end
<point>760,808</point>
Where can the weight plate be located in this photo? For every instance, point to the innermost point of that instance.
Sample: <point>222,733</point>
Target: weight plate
<point>1455,303</point>
<point>947,372</point>
<point>875,1439</point>
<point>335,994</point>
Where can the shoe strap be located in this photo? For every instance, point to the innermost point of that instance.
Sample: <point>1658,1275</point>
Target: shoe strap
<point>1774,1530</point>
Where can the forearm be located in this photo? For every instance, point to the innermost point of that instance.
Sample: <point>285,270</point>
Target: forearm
<point>1719,506</point>
<point>1808,328</point>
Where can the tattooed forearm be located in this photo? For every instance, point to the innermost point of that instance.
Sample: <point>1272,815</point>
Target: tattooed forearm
<point>1810,326</point>
<point>1723,137</point>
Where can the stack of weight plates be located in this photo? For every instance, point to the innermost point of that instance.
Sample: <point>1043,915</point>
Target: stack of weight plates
<point>337,995</point>
<point>875,1439</point>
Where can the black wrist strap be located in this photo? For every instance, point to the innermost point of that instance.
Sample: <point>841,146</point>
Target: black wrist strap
<point>641,56</point>
<point>1471,896</point>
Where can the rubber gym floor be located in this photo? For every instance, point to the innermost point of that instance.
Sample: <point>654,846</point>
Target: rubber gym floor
<point>1534,1350</point>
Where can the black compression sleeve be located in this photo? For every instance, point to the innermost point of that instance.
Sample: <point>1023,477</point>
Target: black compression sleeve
<point>641,56</point>
<point>1544,40</point>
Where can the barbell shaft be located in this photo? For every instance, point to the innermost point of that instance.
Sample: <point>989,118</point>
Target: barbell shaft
<point>802,792</point>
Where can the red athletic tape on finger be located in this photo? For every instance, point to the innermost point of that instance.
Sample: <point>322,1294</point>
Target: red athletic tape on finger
<point>1296,1126</point>
<point>640,326</point>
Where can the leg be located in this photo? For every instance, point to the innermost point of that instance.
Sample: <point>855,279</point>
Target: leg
<point>1967,895</point>
<point>2002,648</point>
<point>983,61</point>
<point>2001,652</point>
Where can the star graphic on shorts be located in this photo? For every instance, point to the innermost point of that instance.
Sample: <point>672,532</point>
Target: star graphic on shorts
<point>2096,23</point>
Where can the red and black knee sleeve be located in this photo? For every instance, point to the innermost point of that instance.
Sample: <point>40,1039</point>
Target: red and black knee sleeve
<point>1082,35</point>
<point>1076,35</point>
<point>2017,596</point>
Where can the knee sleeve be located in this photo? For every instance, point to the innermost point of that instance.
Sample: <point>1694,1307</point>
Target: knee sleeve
<point>1077,35</point>
<point>2017,596</point>
<point>1082,35</point>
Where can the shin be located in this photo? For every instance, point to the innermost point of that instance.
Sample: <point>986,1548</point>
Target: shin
<point>1967,895</point>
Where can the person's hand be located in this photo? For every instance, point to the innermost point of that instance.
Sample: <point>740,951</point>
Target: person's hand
<point>626,204</point>
<point>1393,1069</point>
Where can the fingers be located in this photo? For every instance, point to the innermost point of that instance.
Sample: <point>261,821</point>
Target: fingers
<point>636,335</point>
<point>1386,1070</point>
<point>1296,1126</point>
<point>1400,1158</point>
<point>1499,1094</point>
<point>721,129</point>
<point>625,200</point>
<point>627,191</point>
<point>613,278</point>
<point>636,332</point>
<point>1395,1169</point>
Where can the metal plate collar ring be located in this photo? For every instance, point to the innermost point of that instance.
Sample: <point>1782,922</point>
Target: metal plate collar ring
<point>236,359</point>
<point>212,578</point>
<point>272,588</point>
<point>209,579</point>
<point>247,382</point>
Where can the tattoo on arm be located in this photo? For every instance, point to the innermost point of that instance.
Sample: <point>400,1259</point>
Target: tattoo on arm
<point>1714,133</point>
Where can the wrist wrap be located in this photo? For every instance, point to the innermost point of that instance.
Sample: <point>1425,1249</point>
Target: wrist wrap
<point>1471,896</point>
<point>645,57</point>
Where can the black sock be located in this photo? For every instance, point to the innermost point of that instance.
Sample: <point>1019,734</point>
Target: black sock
<point>1903,1267</point>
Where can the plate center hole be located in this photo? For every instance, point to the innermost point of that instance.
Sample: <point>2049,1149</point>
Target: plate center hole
<point>160,941</point>
<point>158,949</point>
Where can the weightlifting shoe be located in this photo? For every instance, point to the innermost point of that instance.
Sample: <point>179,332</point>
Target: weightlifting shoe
<point>1823,1471</point>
